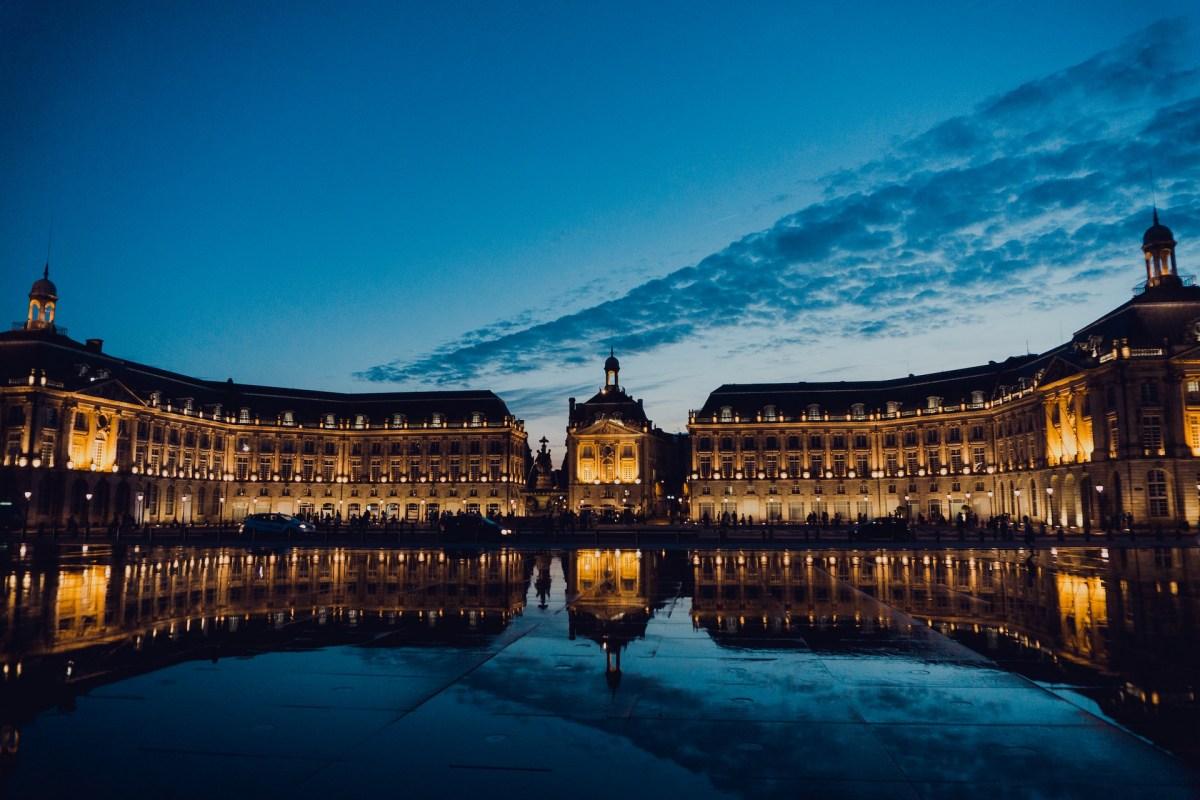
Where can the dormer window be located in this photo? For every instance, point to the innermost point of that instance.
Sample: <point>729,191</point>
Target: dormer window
<point>893,408</point>
<point>933,402</point>
<point>476,419</point>
<point>289,418</point>
<point>186,405</point>
<point>977,397</point>
<point>330,421</point>
<point>155,398</point>
<point>438,419</point>
<point>858,411</point>
<point>813,413</point>
<point>726,414</point>
<point>398,420</point>
<point>770,414</point>
<point>244,415</point>
<point>360,421</point>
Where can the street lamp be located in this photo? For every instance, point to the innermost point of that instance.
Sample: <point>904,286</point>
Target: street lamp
<point>221,515</point>
<point>1017,495</point>
<point>25,524</point>
<point>1050,504</point>
<point>140,495</point>
<point>186,498</point>
<point>87,513</point>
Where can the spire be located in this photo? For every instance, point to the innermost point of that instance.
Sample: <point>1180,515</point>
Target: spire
<point>46,271</point>
<point>1156,213</point>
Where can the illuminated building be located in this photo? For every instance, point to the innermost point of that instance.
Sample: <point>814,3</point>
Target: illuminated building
<point>92,437</point>
<point>1105,425</point>
<point>617,461</point>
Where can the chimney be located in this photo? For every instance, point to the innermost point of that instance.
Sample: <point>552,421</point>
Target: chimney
<point>94,345</point>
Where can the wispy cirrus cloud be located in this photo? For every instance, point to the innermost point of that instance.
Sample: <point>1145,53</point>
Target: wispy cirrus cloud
<point>1037,193</point>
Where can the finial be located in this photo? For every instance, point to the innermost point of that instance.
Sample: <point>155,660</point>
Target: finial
<point>611,352</point>
<point>1156,213</point>
<point>46,271</point>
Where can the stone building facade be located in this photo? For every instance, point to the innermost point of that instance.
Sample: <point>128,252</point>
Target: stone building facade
<point>1102,427</point>
<point>89,437</point>
<point>617,461</point>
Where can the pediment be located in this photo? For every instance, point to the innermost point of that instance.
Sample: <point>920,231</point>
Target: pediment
<point>608,427</point>
<point>111,389</point>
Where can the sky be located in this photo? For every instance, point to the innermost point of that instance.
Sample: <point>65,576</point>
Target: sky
<point>490,195</point>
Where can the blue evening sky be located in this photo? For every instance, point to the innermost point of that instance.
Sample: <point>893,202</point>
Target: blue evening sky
<point>417,195</point>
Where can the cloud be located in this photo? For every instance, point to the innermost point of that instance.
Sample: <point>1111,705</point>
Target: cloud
<point>1034,194</point>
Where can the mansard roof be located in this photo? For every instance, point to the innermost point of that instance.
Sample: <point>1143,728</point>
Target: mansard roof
<point>1156,315</point>
<point>609,403</point>
<point>792,400</point>
<point>79,367</point>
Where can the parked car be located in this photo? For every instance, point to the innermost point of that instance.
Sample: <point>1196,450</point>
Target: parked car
<point>473,528</point>
<point>275,524</point>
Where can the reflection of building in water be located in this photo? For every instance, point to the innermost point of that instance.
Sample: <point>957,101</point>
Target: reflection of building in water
<point>608,599</point>
<point>1128,612</point>
<point>132,613</point>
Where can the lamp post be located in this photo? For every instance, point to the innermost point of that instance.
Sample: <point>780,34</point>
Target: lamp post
<point>140,507</point>
<point>1017,495</point>
<point>186,507</point>
<point>991,512</point>
<point>221,512</point>
<point>87,514</point>
<point>25,523</point>
<point>1050,504</point>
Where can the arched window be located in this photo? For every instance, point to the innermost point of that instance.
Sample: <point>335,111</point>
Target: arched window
<point>1156,493</point>
<point>933,402</point>
<point>858,411</point>
<point>437,419</point>
<point>244,415</point>
<point>289,418</point>
<point>476,419</point>
<point>814,412</point>
<point>398,420</point>
<point>770,414</point>
<point>330,421</point>
<point>726,414</point>
<point>977,397</point>
<point>893,408</point>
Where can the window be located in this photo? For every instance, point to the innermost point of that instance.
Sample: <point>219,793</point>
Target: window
<point>839,441</point>
<point>289,418</point>
<point>933,402</point>
<point>932,436</point>
<point>360,421</point>
<point>330,421</point>
<point>889,440</point>
<point>858,411</point>
<point>814,412</point>
<point>1156,492</point>
<point>893,408</point>
<point>398,420</point>
<point>1149,392</point>
<point>860,441</point>
<point>476,419</point>
<point>770,414</point>
<point>816,442</point>
<point>1151,434</point>
<point>977,397</point>
<point>954,435</point>
<point>726,414</point>
<point>704,444</point>
<point>438,419</point>
<point>244,415</point>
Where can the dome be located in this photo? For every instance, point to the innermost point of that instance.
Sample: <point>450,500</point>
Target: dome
<point>1157,233</point>
<point>43,286</point>
<point>611,364</point>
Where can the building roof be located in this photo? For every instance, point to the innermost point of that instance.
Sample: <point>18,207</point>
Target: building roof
<point>611,402</point>
<point>792,400</point>
<point>79,367</point>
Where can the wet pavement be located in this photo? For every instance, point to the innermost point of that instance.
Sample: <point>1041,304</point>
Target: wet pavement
<point>304,672</point>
